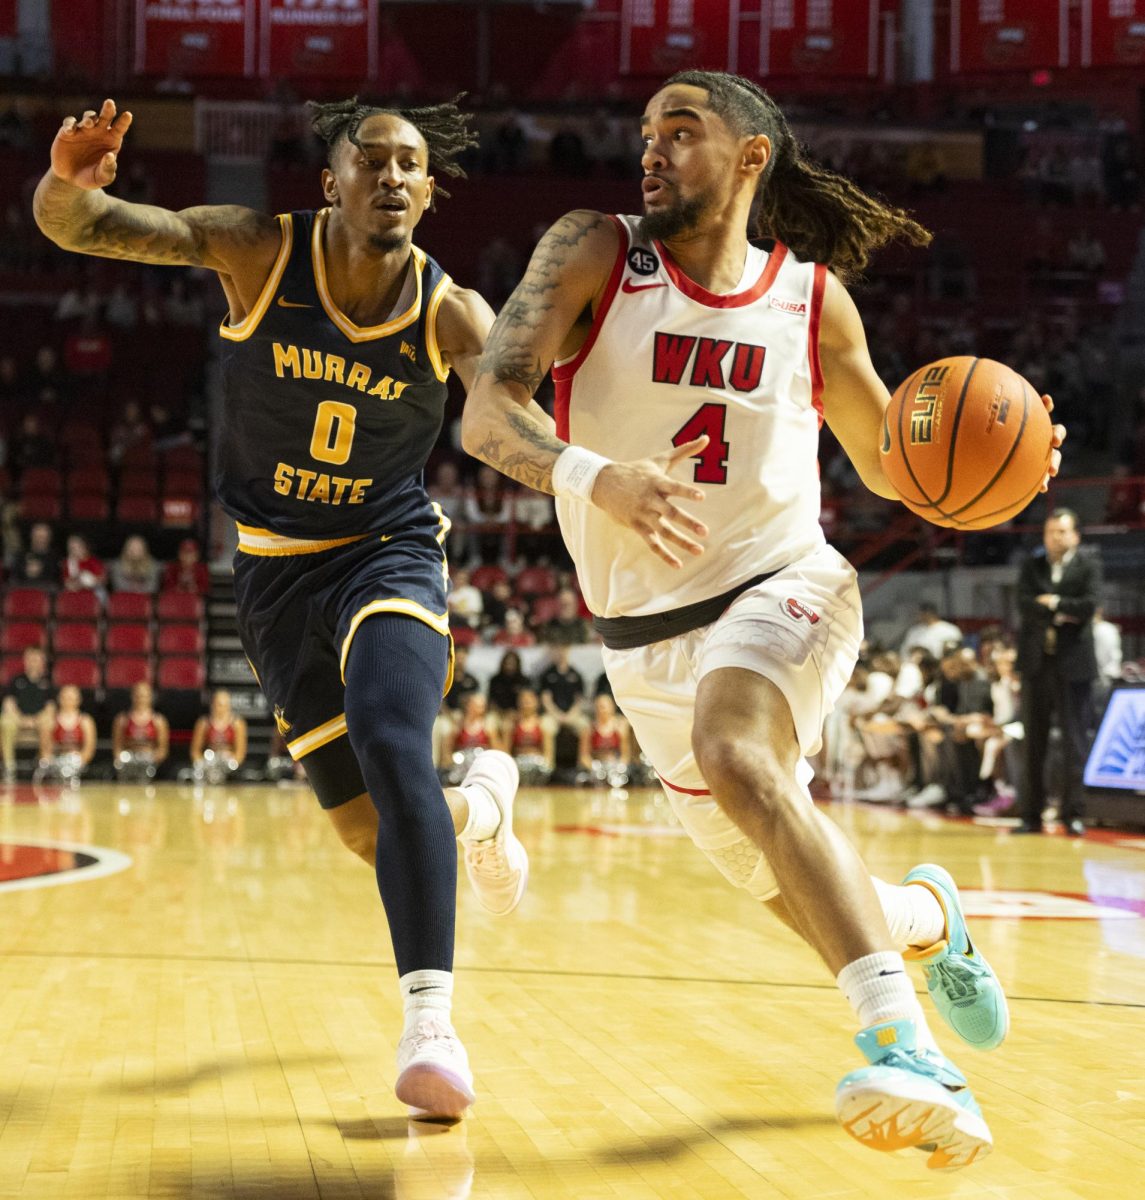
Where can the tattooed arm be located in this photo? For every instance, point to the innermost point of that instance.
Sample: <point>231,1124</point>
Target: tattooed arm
<point>548,317</point>
<point>72,209</point>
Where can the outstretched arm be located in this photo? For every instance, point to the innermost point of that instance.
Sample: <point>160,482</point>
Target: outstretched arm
<point>72,209</point>
<point>541,321</point>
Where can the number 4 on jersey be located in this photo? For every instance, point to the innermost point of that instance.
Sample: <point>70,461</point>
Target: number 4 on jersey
<point>712,461</point>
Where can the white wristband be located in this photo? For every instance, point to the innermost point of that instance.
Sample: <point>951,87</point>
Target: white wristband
<point>575,472</point>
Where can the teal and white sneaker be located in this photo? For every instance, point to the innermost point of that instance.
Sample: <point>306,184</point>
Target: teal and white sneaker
<point>911,1098</point>
<point>960,981</point>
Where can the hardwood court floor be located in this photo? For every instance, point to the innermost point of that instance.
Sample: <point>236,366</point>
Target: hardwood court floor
<point>217,1019</point>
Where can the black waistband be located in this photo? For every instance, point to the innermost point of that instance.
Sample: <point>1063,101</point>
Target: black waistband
<point>627,633</point>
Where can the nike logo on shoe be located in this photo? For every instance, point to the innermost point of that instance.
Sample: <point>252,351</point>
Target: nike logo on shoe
<point>630,287</point>
<point>284,303</point>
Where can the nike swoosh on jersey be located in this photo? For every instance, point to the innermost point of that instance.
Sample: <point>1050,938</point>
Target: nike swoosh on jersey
<point>630,287</point>
<point>284,303</point>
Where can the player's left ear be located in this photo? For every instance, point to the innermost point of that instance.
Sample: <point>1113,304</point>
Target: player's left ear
<point>430,184</point>
<point>330,187</point>
<point>756,154</point>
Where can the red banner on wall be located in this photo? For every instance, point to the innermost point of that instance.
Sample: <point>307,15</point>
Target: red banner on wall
<point>195,37</point>
<point>801,37</point>
<point>331,39</point>
<point>1113,33</point>
<point>1008,35</point>
<point>658,37</point>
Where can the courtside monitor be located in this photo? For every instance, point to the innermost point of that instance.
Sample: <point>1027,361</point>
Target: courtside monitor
<point>1117,760</point>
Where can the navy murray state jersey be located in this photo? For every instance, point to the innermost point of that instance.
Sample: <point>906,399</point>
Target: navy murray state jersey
<point>327,425</point>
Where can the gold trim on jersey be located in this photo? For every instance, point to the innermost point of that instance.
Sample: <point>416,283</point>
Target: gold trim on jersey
<point>249,323</point>
<point>358,333</point>
<point>317,738</point>
<point>431,346</point>
<point>274,545</point>
<point>395,604</point>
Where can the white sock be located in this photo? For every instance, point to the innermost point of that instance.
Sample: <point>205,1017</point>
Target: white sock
<point>878,989</point>
<point>484,817</point>
<point>426,994</point>
<point>914,915</point>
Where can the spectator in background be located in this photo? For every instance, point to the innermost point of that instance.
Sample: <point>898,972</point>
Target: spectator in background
<point>140,737</point>
<point>561,687</point>
<point>567,154</point>
<point>506,685</point>
<point>81,570</point>
<point>135,570</point>
<point>508,146</point>
<point>464,684</point>
<point>181,305</point>
<point>605,742</point>
<point>447,491</point>
<point>465,602</point>
<point>528,737</point>
<point>514,632</point>
<point>475,730</point>
<point>28,707</point>
<point>47,372</point>
<point>122,309</point>
<point>1106,649</point>
<point>496,602</point>
<point>1085,253</point>
<point>535,517</point>
<point>187,573</point>
<point>38,565</point>
<point>568,627</point>
<point>130,430</point>
<point>930,633</point>
<point>221,732</point>
<point>488,506</point>
<point>31,446</point>
<point>1058,592</point>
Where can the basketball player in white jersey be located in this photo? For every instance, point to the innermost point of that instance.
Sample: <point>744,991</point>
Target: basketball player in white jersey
<point>679,348</point>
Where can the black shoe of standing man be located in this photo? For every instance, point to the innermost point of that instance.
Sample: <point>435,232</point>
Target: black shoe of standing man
<point>1028,827</point>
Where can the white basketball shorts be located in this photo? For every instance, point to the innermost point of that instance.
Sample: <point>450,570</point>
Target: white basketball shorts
<point>800,629</point>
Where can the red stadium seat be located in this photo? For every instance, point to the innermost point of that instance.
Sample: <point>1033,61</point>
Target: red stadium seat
<point>463,635</point>
<point>536,581</point>
<point>40,481</point>
<point>11,665</point>
<point>180,606</point>
<point>88,507</point>
<point>126,670</point>
<point>181,674</point>
<point>129,606</point>
<point>128,639</point>
<point>77,606</point>
<point>137,510</point>
<point>183,483</point>
<point>40,508</point>
<point>19,635</point>
<point>181,639</point>
<point>183,458</point>
<point>545,608</point>
<point>485,576</point>
<point>138,481</point>
<point>76,637</point>
<point>26,604</point>
<point>83,672</point>
<point>88,481</point>
<point>140,454</point>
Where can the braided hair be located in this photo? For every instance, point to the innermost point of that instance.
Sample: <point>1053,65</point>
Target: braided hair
<point>820,215</point>
<point>444,127</point>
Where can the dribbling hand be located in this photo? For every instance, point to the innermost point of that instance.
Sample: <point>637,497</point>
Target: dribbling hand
<point>84,153</point>
<point>641,496</point>
<point>1056,452</point>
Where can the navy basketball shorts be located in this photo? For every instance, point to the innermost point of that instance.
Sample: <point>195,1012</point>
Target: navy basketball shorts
<point>299,606</point>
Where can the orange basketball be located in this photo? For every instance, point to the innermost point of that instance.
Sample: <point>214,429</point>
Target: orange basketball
<point>966,442</point>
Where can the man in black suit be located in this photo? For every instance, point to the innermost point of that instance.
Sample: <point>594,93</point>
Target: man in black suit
<point>1058,591</point>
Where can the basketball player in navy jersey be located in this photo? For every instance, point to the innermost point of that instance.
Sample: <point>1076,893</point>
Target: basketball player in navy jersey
<point>337,345</point>
<point>671,336</point>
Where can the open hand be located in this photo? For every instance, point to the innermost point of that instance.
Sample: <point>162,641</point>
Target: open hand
<point>1055,453</point>
<point>85,152</point>
<point>641,495</point>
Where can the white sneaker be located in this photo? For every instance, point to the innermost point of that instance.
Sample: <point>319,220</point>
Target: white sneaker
<point>434,1078</point>
<point>497,866</point>
<point>927,797</point>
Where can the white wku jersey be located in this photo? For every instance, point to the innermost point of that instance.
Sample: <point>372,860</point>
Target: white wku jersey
<point>667,361</point>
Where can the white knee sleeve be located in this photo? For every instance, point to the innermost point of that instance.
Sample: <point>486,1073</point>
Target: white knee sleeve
<point>738,859</point>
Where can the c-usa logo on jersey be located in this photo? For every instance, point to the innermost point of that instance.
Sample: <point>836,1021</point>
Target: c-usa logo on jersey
<point>642,261</point>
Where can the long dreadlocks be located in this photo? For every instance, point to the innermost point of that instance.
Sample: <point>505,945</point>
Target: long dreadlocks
<point>820,215</point>
<point>444,126</point>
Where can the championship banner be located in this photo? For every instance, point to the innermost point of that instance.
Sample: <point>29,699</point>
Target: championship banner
<point>329,39</point>
<point>801,37</point>
<point>658,37</point>
<point>184,38</point>
<point>1008,35</point>
<point>1113,33</point>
